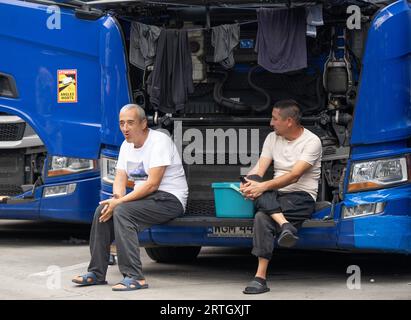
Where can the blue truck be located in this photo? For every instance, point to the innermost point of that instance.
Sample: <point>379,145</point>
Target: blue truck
<point>65,72</point>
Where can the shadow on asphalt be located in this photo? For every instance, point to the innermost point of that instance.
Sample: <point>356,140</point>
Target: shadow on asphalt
<point>32,233</point>
<point>42,233</point>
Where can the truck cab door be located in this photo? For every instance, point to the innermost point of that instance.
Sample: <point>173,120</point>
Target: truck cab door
<point>60,68</point>
<point>53,60</point>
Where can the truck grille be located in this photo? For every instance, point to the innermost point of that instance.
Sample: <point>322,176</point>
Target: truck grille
<point>10,190</point>
<point>12,131</point>
<point>200,208</point>
<point>11,172</point>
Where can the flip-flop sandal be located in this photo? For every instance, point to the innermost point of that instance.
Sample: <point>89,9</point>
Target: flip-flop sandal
<point>255,287</point>
<point>84,282</point>
<point>130,284</point>
<point>287,239</point>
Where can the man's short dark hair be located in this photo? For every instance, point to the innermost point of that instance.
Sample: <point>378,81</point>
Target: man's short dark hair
<point>289,108</point>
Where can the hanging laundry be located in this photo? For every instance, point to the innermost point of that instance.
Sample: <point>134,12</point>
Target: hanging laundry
<point>224,39</point>
<point>281,39</point>
<point>172,78</point>
<point>311,31</point>
<point>315,15</point>
<point>143,44</point>
<point>314,19</point>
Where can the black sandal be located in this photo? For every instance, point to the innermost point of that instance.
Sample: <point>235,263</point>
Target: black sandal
<point>256,286</point>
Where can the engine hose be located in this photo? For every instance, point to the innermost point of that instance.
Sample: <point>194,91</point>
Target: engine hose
<point>239,106</point>
<point>218,95</point>
<point>260,90</point>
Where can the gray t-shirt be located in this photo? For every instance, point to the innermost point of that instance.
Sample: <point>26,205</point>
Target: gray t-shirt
<point>158,150</point>
<point>285,154</point>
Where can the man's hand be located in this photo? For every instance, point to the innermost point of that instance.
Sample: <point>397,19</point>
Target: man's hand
<point>253,189</point>
<point>108,209</point>
<point>244,185</point>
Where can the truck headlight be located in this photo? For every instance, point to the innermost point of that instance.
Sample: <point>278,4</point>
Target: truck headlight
<point>59,166</point>
<point>108,169</point>
<point>363,210</point>
<point>60,190</point>
<point>378,174</point>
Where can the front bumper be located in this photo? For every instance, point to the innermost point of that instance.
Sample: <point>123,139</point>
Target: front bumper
<point>389,231</point>
<point>78,206</point>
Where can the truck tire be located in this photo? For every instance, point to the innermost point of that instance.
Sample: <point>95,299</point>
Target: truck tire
<point>173,254</point>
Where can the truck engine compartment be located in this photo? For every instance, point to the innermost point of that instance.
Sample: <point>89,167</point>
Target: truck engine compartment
<point>239,100</point>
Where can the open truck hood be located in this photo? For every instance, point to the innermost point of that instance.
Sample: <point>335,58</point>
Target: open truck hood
<point>383,108</point>
<point>118,4</point>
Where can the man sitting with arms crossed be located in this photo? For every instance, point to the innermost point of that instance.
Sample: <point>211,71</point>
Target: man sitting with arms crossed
<point>291,195</point>
<point>151,159</point>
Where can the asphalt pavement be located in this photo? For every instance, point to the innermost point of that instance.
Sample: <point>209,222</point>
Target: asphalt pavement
<point>38,260</point>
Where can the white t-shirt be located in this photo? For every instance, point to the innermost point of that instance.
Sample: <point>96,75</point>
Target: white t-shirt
<point>158,150</point>
<point>285,154</point>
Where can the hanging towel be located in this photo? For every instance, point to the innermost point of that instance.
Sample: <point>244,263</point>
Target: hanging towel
<point>224,39</point>
<point>315,15</point>
<point>314,19</point>
<point>143,44</point>
<point>281,39</point>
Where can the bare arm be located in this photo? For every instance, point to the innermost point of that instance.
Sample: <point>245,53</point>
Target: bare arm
<point>119,185</point>
<point>289,178</point>
<point>261,166</point>
<point>155,175</point>
<point>254,189</point>
<point>151,185</point>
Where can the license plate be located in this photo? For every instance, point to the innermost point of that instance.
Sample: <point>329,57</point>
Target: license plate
<point>236,232</point>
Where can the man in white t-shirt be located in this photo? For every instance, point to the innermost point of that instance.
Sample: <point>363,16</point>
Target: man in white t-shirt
<point>151,161</point>
<point>285,201</point>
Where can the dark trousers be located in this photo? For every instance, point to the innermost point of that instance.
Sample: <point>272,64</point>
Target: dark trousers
<point>295,206</point>
<point>128,220</point>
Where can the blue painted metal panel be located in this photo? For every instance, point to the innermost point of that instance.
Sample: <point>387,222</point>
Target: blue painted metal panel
<point>28,210</point>
<point>383,233</point>
<point>383,109</point>
<point>61,126</point>
<point>96,50</point>
<point>380,150</point>
<point>310,238</point>
<point>387,231</point>
<point>115,82</point>
<point>78,206</point>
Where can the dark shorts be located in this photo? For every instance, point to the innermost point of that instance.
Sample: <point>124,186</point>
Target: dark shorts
<point>296,206</point>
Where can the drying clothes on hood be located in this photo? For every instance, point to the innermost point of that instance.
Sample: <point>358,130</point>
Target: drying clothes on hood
<point>143,44</point>
<point>281,39</point>
<point>224,39</point>
<point>314,19</point>
<point>172,78</point>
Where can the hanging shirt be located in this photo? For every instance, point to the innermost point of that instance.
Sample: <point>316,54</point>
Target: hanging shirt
<point>158,150</point>
<point>143,44</point>
<point>172,78</point>
<point>281,39</point>
<point>224,39</point>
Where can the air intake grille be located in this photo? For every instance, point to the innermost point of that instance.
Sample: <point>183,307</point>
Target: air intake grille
<point>10,190</point>
<point>12,131</point>
<point>200,208</point>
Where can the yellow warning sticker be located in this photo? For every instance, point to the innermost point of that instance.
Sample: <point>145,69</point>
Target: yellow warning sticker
<point>67,86</point>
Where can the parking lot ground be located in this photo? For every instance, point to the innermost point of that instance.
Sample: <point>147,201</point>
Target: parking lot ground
<point>38,260</point>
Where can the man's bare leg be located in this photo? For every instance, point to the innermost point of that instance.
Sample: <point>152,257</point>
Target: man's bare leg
<point>262,268</point>
<point>279,218</point>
